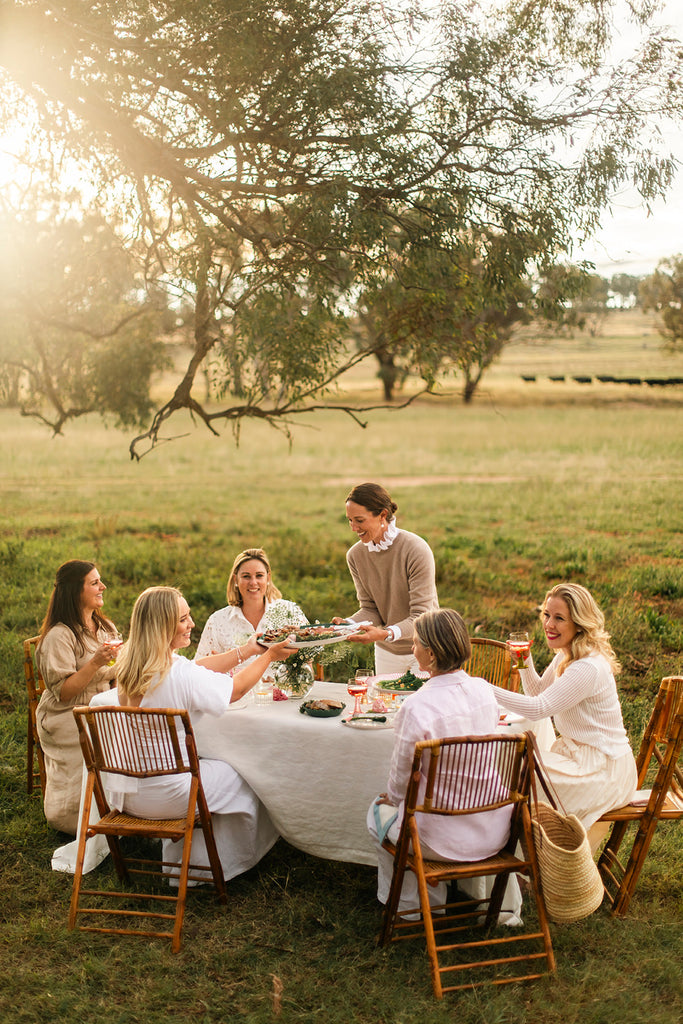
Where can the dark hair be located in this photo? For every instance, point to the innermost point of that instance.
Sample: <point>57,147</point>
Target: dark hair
<point>444,632</point>
<point>374,498</point>
<point>65,601</point>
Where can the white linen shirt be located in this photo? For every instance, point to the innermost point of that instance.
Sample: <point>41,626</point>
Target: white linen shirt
<point>454,704</point>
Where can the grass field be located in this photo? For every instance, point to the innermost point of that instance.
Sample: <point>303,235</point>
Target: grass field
<point>532,484</point>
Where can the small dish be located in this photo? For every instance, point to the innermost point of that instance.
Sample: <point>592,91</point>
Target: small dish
<point>322,708</point>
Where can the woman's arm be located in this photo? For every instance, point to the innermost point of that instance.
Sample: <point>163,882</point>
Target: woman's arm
<point>405,738</point>
<point>58,662</point>
<point>243,679</point>
<point>573,686</point>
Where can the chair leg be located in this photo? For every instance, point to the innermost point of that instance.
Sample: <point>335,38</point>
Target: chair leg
<point>391,906</point>
<point>639,850</point>
<point>427,921</point>
<point>181,898</point>
<point>80,857</point>
<point>29,756</point>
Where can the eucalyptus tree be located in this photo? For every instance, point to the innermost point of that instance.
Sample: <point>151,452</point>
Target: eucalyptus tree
<point>442,312</point>
<point>662,292</point>
<point>78,334</point>
<point>266,153</point>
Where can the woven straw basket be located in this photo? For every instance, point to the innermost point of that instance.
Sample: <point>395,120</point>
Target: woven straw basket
<point>572,887</point>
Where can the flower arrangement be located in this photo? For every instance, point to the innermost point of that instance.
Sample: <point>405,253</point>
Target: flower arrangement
<point>295,675</point>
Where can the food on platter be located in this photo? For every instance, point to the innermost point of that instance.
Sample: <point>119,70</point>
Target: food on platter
<point>318,634</point>
<point>407,683</point>
<point>322,708</point>
<point>279,694</point>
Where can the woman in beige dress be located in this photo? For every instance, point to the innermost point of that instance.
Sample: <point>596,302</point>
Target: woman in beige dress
<point>75,656</point>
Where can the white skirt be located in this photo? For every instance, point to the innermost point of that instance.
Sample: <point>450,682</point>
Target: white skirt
<point>588,782</point>
<point>242,827</point>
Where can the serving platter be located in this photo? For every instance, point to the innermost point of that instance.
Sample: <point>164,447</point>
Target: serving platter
<point>318,635</point>
<point>392,686</point>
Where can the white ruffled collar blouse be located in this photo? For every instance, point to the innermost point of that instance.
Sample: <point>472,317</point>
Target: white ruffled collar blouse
<point>387,540</point>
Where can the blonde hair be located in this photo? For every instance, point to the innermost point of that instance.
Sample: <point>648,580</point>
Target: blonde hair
<point>591,636</point>
<point>444,632</point>
<point>232,593</point>
<point>147,652</point>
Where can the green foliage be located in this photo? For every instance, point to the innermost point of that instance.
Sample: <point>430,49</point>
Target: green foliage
<point>75,335</point>
<point>264,161</point>
<point>663,293</point>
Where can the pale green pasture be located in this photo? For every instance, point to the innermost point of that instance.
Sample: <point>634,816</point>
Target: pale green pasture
<point>514,494</point>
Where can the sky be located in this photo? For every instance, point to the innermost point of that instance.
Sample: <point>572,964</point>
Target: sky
<point>630,241</point>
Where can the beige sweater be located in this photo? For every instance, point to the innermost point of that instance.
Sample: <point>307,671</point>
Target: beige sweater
<point>394,586</point>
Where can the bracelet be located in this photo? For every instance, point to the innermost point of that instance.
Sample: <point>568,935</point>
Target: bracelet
<point>239,656</point>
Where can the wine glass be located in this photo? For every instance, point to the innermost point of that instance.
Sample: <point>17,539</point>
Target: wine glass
<point>520,645</point>
<point>112,639</point>
<point>356,688</point>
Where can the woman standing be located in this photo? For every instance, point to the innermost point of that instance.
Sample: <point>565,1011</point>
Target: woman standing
<point>254,605</point>
<point>590,764</point>
<point>151,675</point>
<point>394,575</point>
<point>76,661</point>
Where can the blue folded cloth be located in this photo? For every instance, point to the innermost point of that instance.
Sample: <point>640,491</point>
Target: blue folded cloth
<point>385,816</point>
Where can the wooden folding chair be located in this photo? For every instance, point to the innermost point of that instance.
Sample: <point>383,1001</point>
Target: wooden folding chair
<point>470,775</point>
<point>140,743</point>
<point>661,749</point>
<point>35,685</point>
<point>492,660</point>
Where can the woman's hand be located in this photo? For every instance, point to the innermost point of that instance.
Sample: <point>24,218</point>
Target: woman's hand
<point>250,648</point>
<point>368,635</point>
<point>105,655</point>
<point>281,651</point>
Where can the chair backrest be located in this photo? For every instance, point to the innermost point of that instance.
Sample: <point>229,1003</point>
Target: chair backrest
<point>35,684</point>
<point>469,774</point>
<point>137,742</point>
<point>662,738</point>
<point>492,660</point>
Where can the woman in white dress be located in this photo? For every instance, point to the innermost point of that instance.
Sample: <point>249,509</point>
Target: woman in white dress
<point>150,674</point>
<point>590,764</point>
<point>254,605</point>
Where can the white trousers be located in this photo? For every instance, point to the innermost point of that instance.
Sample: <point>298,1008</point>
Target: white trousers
<point>476,888</point>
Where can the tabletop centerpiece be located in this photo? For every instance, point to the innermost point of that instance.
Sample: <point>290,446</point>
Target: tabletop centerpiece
<point>295,676</point>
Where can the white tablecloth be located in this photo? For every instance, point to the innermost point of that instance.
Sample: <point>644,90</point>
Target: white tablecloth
<point>316,776</point>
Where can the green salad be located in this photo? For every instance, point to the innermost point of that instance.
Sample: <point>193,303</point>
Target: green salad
<point>408,681</point>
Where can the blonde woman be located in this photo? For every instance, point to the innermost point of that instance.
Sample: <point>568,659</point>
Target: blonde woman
<point>150,674</point>
<point>254,605</point>
<point>590,764</point>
